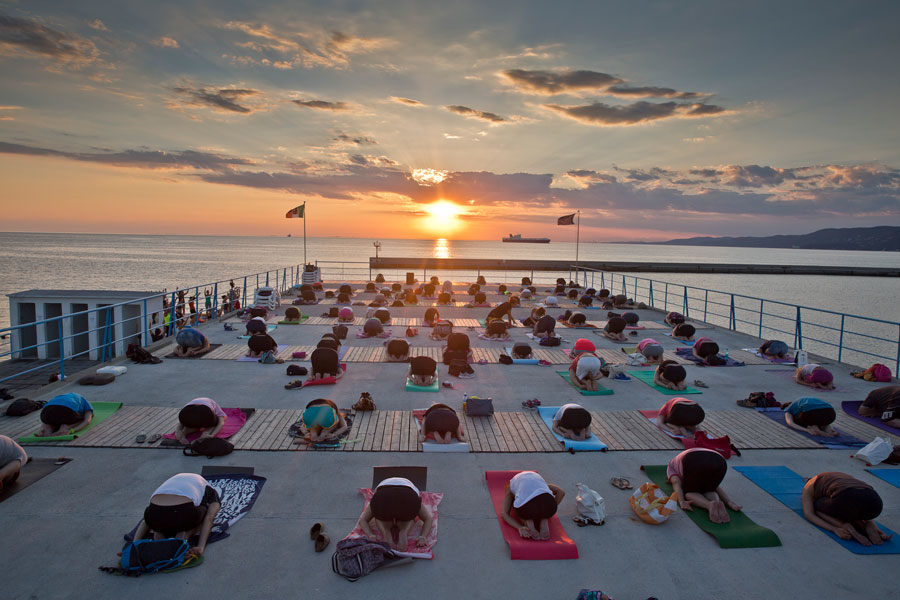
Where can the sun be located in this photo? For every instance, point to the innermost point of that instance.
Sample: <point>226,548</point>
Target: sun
<point>443,209</point>
<point>443,218</point>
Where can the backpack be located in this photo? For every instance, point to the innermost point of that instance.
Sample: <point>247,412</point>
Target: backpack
<point>153,556</point>
<point>209,447</point>
<point>22,406</point>
<point>356,557</point>
<point>550,341</point>
<point>340,331</point>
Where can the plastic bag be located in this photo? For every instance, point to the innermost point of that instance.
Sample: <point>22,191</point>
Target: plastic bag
<point>589,506</point>
<point>876,451</point>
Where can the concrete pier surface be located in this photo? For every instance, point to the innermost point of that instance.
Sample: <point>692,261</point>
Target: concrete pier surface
<point>489,264</point>
<point>55,533</point>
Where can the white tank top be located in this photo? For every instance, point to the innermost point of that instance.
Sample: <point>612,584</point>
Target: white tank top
<point>562,410</point>
<point>525,486</point>
<point>399,481</point>
<point>186,485</point>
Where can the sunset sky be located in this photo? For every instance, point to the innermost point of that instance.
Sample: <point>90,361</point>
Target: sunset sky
<point>654,119</point>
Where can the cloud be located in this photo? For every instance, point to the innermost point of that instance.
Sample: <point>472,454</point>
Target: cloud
<point>322,104</point>
<point>358,140</point>
<point>603,114</point>
<point>476,114</point>
<point>166,42</point>
<point>651,92</point>
<point>98,25</point>
<point>28,37</point>
<point>141,159</point>
<point>223,99</point>
<point>558,82</point>
<point>407,101</point>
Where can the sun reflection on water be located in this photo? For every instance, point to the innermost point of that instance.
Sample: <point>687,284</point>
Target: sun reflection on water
<point>441,249</point>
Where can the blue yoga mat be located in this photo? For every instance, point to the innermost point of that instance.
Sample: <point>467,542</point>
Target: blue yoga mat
<point>521,361</point>
<point>411,387</point>
<point>592,443</point>
<point>841,442</point>
<point>787,487</point>
<point>892,476</point>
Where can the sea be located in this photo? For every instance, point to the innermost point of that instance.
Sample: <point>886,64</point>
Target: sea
<point>157,262</point>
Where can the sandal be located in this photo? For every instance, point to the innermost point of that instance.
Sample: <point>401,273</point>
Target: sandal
<point>316,530</point>
<point>294,385</point>
<point>154,438</point>
<point>621,483</point>
<point>140,439</point>
<point>322,542</point>
<point>700,384</point>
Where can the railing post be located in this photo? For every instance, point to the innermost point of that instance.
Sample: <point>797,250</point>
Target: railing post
<point>651,294</point>
<point>732,322</point>
<point>603,279</point>
<point>841,341</point>
<point>145,328</point>
<point>267,280</point>
<point>685,308</point>
<point>244,302</point>
<point>62,352</point>
<point>666,301</point>
<point>897,362</point>
<point>215,302</point>
<point>798,331</point>
<point>762,303</point>
<point>624,285</point>
<point>705,304</point>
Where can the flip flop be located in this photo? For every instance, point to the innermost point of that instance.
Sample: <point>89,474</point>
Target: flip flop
<point>154,438</point>
<point>316,530</point>
<point>621,483</point>
<point>294,385</point>
<point>141,439</point>
<point>322,542</point>
<point>700,384</point>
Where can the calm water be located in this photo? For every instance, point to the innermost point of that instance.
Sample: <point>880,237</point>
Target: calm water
<point>143,262</point>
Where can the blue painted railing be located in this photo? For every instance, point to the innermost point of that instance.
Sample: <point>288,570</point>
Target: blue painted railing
<point>176,308</point>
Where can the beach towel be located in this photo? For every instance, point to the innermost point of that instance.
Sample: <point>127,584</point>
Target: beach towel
<point>429,499</point>
<point>237,494</point>
<point>591,443</point>
<point>781,361</point>
<point>234,420</point>
<point>211,348</point>
<point>361,335</point>
<point>844,441</point>
<point>601,391</point>
<point>521,361</point>
<point>34,470</point>
<point>647,377</point>
<point>892,476</point>
<point>740,532</point>
<point>786,487</point>
<point>324,380</point>
<point>411,387</point>
<point>302,318</point>
<point>851,407</point>
<point>245,358</point>
<point>102,411</point>
<point>429,445</point>
<point>689,355</point>
<point>269,327</point>
<point>558,547</point>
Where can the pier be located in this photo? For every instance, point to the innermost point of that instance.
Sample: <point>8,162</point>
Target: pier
<point>488,264</point>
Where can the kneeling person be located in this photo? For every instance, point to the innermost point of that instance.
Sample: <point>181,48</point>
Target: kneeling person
<point>64,415</point>
<point>697,475</point>
<point>845,506</point>
<point>191,342</point>
<point>586,370</point>
<point>811,415</point>
<point>680,416</point>
<point>397,502</point>
<point>200,415</point>
<point>182,507</point>
<point>321,421</point>
<point>12,459</point>
<point>443,423</point>
<point>422,371</point>
<point>535,502</point>
<point>572,421</point>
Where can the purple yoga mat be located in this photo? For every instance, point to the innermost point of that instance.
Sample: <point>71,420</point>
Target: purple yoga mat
<point>689,354</point>
<point>851,407</point>
<point>842,442</point>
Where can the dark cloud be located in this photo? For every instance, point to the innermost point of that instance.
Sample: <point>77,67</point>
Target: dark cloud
<point>359,140</point>
<point>633,114</point>
<point>478,114</point>
<point>588,175</point>
<point>651,174</point>
<point>651,92</point>
<point>708,173</point>
<point>407,101</point>
<point>322,104</point>
<point>225,99</point>
<point>558,82</point>
<point>142,159</point>
<point>31,37</point>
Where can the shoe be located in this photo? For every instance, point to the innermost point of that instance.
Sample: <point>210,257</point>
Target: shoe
<point>152,439</point>
<point>622,377</point>
<point>322,542</point>
<point>700,384</point>
<point>316,530</point>
<point>228,327</point>
<point>633,333</point>
<point>294,385</point>
<point>621,483</point>
<point>544,363</point>
<point>447,384</point>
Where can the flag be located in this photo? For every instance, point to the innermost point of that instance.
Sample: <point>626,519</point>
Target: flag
<point>566,220</point>
<point>296,213</point>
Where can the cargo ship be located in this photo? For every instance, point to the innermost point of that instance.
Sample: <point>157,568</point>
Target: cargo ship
<point>519,239</point>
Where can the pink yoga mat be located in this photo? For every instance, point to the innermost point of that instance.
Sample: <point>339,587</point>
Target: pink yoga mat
<point>429,499</point>
<point>558,547</point>
<point>234,420</point>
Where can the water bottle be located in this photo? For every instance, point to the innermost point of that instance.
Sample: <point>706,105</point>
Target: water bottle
<point>726,353</point>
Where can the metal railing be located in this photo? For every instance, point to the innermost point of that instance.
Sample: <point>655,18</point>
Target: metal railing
<point>180,306</point>
<point>844,337</point>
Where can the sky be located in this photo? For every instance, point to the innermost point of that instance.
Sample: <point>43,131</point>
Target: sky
<point>458,120</point>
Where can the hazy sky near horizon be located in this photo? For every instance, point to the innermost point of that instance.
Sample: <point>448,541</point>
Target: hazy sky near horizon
<point>654,119</point>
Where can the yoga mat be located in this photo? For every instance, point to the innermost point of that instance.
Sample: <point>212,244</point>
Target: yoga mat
<point>741,532</point>
<point>418,475</point>
<point>102,411</point>
<point>269,327</point>
<point>434,387</point>
<point>237,494</point>
<point>234,420</point>
<point>786,487</point>
<point>647,377</point>
<point>326,380</point>
<point>429,445</point>
<point>281,348</point>
<point>689,354</point>
<point>601,391</point>
<point>653,417</point>
<point>842,442</point>
<point>792,373</point>
<point>302,318</point>
<point>892,476</point>
<point>592,443</point>
<point>429,499</point>
<point>771,359</point>
<point>211,348</point>
<point>558,547</point>
<point>851,407</point>
<point>34,470</point>
<point>521,361</point>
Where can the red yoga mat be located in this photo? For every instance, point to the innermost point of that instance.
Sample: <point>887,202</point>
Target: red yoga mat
<point>326,380</point>
<point>558,547</point>
<point>234,420</point>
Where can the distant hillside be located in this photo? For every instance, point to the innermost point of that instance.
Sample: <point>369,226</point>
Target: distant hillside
<point>852,238</point>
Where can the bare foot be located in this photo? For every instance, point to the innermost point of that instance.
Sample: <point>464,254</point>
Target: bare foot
<point>734,505</point>
<point>717,513</point>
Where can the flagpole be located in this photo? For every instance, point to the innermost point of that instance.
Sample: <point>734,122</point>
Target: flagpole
<point>304,235</point>
<point>577,238</point>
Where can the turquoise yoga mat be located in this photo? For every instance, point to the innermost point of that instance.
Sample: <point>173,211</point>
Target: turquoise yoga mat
<point>102,411</point>
<point>786,487</point>
<point>411,387</point>
<point>647,377</point>
<point>521,361</point>
<point>592,443</point>
<point>601,391</point>
<point>269,327</point>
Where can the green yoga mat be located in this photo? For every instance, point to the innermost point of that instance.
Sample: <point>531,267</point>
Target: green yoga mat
<point>102,410</point>
<point>601,391</point>
<point>302,318</point>
<point>647,377</point>
<point>741,532</point>
<point>411,387</point>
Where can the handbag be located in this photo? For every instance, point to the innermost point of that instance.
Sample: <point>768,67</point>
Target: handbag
<point>876,451</point>
<point>722,445</point>
<point>209,447</point>
<point>478,407</point>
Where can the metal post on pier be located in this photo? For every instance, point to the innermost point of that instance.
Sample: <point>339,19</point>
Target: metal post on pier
<point>841,341</point>
<point>145,328</point>
<point>651,294</point>
<point>732,322</point>
<point>762,303</point>
<point>62,352</point>
<point>798,331</point>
